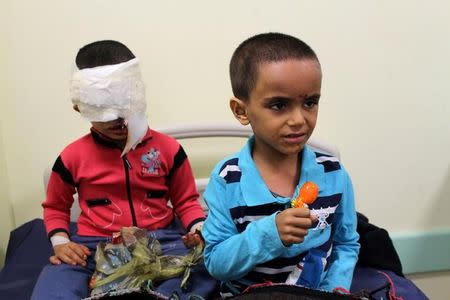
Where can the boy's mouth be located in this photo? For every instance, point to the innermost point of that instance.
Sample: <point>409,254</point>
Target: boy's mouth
<point>118,125</point>
<point>295,135</point>
<point>295,138</point>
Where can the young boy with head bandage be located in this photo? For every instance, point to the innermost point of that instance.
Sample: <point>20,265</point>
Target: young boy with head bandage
<point>124,173</point>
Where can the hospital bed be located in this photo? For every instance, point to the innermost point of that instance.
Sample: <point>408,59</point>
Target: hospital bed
<point>28,248</point>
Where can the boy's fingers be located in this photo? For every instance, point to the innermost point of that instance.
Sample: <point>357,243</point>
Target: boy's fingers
<point>55,260</point>
<point>297,222</point>
<point>66,259</point>
<point>85,250</point>
<point>62,253</point>
<point>292,239</point>
<point>73,257</point>
<point>77,259</point>
<point>302,212</point>
<point>198,239</point>
<point>191,239</point>
<point>299,232</point>
<point>304,223</point>
<point>78,251</point>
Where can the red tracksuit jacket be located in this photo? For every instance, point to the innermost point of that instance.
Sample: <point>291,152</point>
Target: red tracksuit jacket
<point>115,191</point>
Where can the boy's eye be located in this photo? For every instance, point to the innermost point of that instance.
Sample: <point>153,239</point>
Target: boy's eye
<point>277,105</point>
<point>310,103</point>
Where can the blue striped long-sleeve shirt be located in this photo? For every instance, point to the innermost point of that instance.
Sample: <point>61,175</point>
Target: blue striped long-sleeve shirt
<point>242,241</point>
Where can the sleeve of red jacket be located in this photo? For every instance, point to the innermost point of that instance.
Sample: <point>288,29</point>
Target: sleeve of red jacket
<point>60,191</point>
<point>183,192</point>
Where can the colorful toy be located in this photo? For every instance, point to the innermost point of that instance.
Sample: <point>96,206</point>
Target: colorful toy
<point>307,194</point>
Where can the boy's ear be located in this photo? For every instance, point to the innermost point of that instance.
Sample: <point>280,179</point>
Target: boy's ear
<point>238,107</point>
<point>75,108</point>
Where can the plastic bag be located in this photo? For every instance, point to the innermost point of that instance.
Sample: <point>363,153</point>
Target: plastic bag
<point>133,260</point>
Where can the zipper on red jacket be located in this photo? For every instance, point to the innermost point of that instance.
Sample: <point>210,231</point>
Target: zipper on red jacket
<point>127,167</point>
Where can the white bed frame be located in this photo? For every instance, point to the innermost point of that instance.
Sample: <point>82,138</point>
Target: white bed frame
<point>205,130</point>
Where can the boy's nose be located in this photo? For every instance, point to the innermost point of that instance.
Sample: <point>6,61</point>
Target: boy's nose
<point>296,117</point>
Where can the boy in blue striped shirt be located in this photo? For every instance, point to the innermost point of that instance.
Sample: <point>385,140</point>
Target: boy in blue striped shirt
<point>252,234</point>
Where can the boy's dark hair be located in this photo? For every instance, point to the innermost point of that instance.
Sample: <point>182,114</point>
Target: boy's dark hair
<point>103,53</point>
<point>261,48</point>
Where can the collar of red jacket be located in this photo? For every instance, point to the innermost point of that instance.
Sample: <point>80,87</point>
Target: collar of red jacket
<point>106,141</point>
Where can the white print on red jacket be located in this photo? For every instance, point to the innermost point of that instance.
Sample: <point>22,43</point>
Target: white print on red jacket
<point>102,215</point>
<point>145,207</point>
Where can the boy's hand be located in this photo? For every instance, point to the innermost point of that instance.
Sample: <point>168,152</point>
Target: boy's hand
<point>194,236</point>
<point>293,225</point>
<point>70,253</point>
<point>192,239</point>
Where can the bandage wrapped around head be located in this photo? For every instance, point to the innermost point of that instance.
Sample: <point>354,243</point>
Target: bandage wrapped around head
<point>106,93</point>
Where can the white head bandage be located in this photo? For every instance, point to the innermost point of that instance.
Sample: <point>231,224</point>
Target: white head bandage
<point>110,92</point>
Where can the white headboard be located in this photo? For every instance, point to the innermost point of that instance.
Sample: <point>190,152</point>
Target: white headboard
<point>205,130</point>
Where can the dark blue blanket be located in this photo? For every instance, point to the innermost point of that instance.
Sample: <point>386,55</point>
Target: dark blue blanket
<point>29,249</point>
<point>27,253</point>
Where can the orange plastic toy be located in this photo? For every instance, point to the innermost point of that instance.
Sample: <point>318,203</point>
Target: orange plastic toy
<point>307,195</point>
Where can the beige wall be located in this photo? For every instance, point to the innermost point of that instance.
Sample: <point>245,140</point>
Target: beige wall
<point>385,96</point>
<point>6,212</point>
